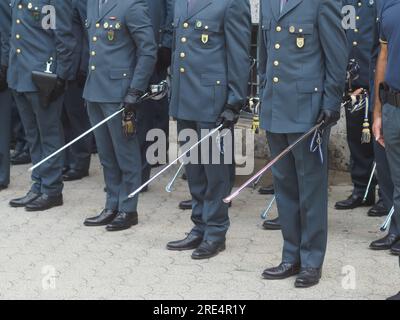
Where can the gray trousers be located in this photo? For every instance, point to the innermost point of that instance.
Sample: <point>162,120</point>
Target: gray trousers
<point>76,121</point>
<point>391,133</point>
<point>5,136</point>
<point>44,134</point>
<point>301,187</point>
<point>119,156</point>
<point>209,184</point>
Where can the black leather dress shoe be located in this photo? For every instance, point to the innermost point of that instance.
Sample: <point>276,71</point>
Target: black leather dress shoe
<point>395,249</point>
<point>191,242</point>
<point>283,271</point>
<point>385,243</point>
<point>378,210</point>
<point>123,221</point>
<point>208,249</point>
<point>267,190</point>
<point>308,277</point>
<point>20,158</point>
<point>185,205</point>
<point>355,201</point>
<point>22,202</point>
<point>45,202</point>
<point>73,175</point>
<point>394,298</point>
<point>3,187</point>
<point>272,224</point>
<point>103,219</point>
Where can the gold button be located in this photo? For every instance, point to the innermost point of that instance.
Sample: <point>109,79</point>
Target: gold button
<point>186,25</point>
<point>278,29</point>
<point>97,25</point>
<point>20,6</point>
<point>183,55</point>
<point>355,30</point>
<point>18,51</point>
<point>357,18</point>
<point>360,4</point>
<point>95,39</point>
<point>125,75</point>
<point>218,82</point>
<point>276,63</point>
<point>93,53</point>
<point>292,29</point>
<point>18,21</point>
<point>17,36</point>
<point>316,89</point>
<point>277,46</point>
<point>93,68</point>
<point>301,30</point>
<point>183,39</point>
<point>355,43</point>
<point>182,70</point>
<point>276,80</point>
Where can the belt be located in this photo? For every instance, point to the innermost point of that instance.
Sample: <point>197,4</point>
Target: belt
<point>390,96</point>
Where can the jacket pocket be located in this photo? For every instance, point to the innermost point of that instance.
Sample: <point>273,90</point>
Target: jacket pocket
<point>215,90</point>
<point>309,99</point>
<point>120,80</point>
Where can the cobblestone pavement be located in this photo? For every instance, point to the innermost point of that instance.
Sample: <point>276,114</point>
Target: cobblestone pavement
<point>51,255</point>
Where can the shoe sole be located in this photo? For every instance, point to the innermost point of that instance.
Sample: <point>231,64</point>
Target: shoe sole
<point>111,229</point>
<point>267,277</point>
<point>211,256</point>
<point>394,253</point>
<point>272,228</point>
<point>75,179</point>
<point>379,249</point>
<point>43,209</point>
<point>305,286</point>
<point>95,225</point>
<point>185,208</point>
<point>182,249</point>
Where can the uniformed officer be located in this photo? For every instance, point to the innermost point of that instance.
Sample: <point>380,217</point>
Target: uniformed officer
<point>387,111</point>
<point>303,69</point>
<point>41,40</point>
<point>210,71</point>
<point>5,96</point>
<point>361,154</point>
<point>153,114</point>
<point>122,58</point>
<point>382,166</point>
<point>75,118</point>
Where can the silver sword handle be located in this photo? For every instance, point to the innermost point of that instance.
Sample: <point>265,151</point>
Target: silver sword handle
<point>169,186</point>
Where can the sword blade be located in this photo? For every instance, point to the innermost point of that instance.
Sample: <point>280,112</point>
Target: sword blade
<point>270,164</point>
<point>388,220</point>
<point>75,140</point>
<point>369,182</point>
<point>175,161</point>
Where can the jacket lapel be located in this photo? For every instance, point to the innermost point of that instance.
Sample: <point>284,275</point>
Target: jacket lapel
<point>289,7</point>
<point>276,8</point>
<point>199,6</point>
<point>111,4</point>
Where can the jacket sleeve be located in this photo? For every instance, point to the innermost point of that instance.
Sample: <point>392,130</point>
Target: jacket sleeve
<point>262,52</point>
<point>64,39</point>
<point>82,9</point>
<point>5,24</point>
<point>140,27</point>
<point>166,40</point>
<point>334,45</point>
<point>238,39</point>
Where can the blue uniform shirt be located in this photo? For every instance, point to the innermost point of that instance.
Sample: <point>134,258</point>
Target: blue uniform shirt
<point>390,34</point>
<point>359,39</point>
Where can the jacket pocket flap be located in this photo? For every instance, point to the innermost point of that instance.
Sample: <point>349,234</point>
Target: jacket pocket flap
<point>301,28</point>
<point>266,24</point>
<point>309,86</point>
<point>213,80</point>
<point>208,25</point>
<point>120,74</point>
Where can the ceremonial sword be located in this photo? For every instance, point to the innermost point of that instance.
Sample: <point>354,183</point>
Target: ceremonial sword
<point>274,161</point>
<point>155,91</point>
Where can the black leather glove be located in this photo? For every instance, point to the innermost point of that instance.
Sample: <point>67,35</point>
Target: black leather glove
<point>229,117</point>
<point>132,100</point>
<point>58,90</point>
<point>329,117</point>
<point>3,78</point>
<point>81,78</point>
<point>164,59</point>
